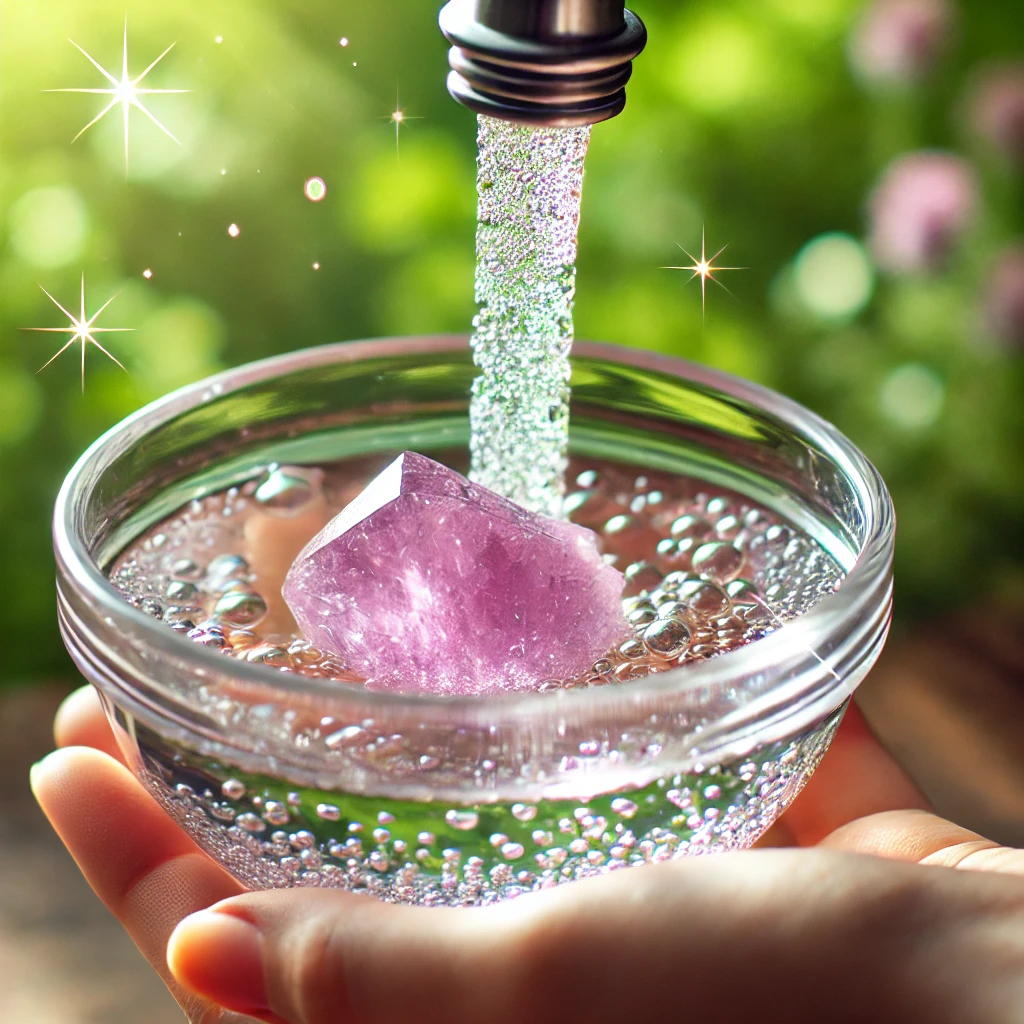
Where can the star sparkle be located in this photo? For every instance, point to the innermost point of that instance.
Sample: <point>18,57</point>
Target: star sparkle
<point>82,329</point>
<point>125,92</point>
<point>705,269</point>
<point>399,117</point>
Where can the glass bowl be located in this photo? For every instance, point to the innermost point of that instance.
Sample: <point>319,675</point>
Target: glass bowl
<point>287,780</point>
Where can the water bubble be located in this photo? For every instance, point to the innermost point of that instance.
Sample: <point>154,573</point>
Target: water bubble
<point>512,851</point>
<point>328,812</point>
<point>381,835</point>
<point>718,561</point>
<point>234,230</point>
<point>690,526</point>
<point>624,808</point>
<point>180,592</point>
<point>642,616</point>
<point>276,813</point>
<point>288,490</point>
<point>462,820</point>
<point>233,789</point>
<point>712,792</point>
<point>225,567</point>
<point>632,649</point>
<point>704,597</point>
<point>667,637</point>
<point>346,737</point>
<point>241,608</point>
<point>524,812</point>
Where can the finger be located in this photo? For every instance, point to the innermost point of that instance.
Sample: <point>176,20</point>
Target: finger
<point>927,839</point>
<point>857,777</point>
<point>81,722</point>
<point>597,951</point>
<point>139,862</point>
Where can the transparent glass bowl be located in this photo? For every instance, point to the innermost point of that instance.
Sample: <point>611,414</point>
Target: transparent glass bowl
<point>295,781</point>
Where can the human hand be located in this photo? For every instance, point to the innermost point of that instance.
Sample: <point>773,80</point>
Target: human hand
<point>794,935</point>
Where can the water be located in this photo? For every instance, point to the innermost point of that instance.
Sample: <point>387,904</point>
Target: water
<point>529,183</point>
<point>707,570</point>
<point>270,834</point>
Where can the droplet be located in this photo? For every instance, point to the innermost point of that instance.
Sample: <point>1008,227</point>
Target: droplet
<point>287,490</point>
<point>624,808</point>
<point>276,813</point>
<point>524,812</point>
<point>328,812</point>
<point>642,616</point>
<point>241,608</point>
<point>704,597</point>
<point>225,567</point>
<point>234,230</point>
<point>462,820</point>
<point>181,592</point>
<point>690,526</point>
<point>667,637</point>
<point>512,851</point>
<point>632,649</point>
<point>346,737</point>
<point>718,561</point>
<point>233,789</point>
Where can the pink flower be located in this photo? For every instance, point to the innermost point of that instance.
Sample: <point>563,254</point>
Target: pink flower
<point>899,42</point>
<point>1004,297</point>
<point>996,110</point>
<point>919,209</point>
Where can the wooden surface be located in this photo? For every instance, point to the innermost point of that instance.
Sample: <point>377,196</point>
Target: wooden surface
<point>948,701</point>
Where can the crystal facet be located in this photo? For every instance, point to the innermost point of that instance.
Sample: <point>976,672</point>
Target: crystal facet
<point>427,583</point>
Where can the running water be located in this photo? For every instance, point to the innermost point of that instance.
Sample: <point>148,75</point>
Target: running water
<point>529,183</point>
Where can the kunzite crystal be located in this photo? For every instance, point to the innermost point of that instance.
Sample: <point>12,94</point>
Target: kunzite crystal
<point>427,583</point>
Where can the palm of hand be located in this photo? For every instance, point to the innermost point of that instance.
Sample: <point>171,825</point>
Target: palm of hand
<point>821,933</point>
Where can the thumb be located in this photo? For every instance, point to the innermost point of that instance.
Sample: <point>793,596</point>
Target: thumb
<point>315,957</point>
<point>597,951</point>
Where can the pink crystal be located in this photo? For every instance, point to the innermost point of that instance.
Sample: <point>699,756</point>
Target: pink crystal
<point>427,583</point>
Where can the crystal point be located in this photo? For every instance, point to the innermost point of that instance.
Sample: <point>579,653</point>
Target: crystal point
<point>427,583</point>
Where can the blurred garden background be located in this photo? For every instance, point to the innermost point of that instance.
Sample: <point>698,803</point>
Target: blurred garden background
<point>863,158</point>
<point>864,161</point>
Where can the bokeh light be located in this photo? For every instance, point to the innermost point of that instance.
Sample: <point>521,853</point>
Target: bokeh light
<point>315,189</point>
<point>833,276</point>
<point>912,396</point>
<point>48,226</point>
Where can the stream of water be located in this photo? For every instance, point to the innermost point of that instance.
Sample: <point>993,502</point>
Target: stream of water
<point>529,184</point>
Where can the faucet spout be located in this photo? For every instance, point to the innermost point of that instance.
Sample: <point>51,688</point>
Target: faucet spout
<point>557,63</point>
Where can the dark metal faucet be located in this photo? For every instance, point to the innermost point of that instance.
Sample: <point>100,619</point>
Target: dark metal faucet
<point>558,63</point>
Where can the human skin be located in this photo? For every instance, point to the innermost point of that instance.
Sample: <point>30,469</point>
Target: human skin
<point>875,910</point>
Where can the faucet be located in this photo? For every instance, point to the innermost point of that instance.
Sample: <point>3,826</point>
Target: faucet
<point>553,63</point>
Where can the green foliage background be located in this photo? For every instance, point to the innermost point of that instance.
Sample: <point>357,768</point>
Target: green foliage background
<point>743,115</point>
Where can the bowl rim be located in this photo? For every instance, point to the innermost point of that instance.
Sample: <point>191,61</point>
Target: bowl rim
<point>866,586</point>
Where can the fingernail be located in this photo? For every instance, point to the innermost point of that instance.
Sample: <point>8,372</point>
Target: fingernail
<point>220,956</point>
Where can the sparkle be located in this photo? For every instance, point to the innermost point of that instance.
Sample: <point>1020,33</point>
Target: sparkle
<point>82,328</point>
<point>125,92</point>
<point>316,266</point>
<point>705,269</point>
<point>398,117</point>
<point>218,39</point>
<point>315,189</point>
<point>343,41</point>
<point>234,230</point>
<point>147,273</point>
